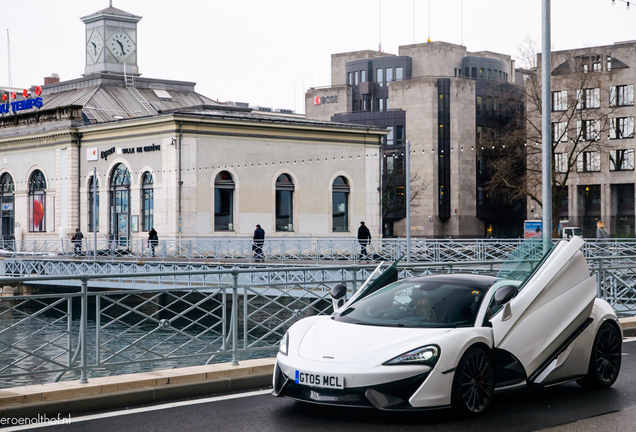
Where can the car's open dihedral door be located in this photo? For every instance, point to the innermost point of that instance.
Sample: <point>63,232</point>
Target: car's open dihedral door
<point>549,308</point>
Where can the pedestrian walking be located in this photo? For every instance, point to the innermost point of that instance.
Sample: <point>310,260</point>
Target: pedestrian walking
<point>601,237</point>
<point>77,241</point>
<point>153,240</point>
<point>259,240</point>
<point>364,237</point>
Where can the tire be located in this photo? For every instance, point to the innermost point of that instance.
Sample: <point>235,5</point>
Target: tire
<point>605,359</point>
<point>474,382</point>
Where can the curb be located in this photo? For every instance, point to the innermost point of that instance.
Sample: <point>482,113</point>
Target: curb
<point>135,397</point>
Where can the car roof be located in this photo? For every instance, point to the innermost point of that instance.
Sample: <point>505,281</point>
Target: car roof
<point>473,280</point>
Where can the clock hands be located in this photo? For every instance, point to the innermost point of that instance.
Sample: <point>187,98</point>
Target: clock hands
<point>94,47</point>
<point>121,46</point>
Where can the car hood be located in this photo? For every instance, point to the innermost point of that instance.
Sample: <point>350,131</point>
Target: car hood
<point>339,342</point>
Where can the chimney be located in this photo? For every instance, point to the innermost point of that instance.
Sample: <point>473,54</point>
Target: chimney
<point>54,78</point>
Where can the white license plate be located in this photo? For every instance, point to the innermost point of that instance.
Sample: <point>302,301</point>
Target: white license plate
<point>319,380</point>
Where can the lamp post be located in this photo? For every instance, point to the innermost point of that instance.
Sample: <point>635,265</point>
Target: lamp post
<point>546,133</point>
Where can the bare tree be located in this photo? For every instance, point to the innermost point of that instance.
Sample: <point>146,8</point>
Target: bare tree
<point>512,153</point>
<point>393,196</point>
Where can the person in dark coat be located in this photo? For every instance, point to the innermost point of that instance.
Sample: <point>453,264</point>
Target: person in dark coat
<point>153,240</point>
<point>259,240</point>
<point>364,237</point>
<point>77,241</point>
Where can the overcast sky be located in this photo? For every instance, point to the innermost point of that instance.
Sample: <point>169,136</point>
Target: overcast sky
<point>269,52</point>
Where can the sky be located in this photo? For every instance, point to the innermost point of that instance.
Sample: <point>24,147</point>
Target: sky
<point>267,53</point>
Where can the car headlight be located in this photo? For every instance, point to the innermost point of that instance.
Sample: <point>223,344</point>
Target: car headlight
<point>427,355</point>
<point>284,344</point>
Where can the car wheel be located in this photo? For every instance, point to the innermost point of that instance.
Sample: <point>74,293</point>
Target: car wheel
<point>474,382</point>
<point>605,360</point>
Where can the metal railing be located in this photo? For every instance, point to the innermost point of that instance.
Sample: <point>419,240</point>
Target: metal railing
<point>231,314</point>
<point>296,249</point>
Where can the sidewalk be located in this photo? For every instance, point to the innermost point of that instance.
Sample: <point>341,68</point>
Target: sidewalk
<point>132,389</point>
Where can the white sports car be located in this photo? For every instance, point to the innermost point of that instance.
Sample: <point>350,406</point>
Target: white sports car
<point>455,339</point>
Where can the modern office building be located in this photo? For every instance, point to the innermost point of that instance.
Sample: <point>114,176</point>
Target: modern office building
<point>593,125</point>
<point>169,158</point>
<point>439,97</point>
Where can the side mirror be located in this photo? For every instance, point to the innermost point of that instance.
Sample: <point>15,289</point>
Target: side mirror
<point>338,291</point>
<point>338,296</point>
<point>505,294</point>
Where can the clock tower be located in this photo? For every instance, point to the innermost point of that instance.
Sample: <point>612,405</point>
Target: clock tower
<point>111,42</point>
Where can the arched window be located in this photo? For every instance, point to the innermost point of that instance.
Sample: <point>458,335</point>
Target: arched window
<point>119,204</point>
<point>37,202</point>
<point>340,204</point>
<point>7,188</point>
<point>147,202</point>
<point>93,192</point>
<point>284,203</point>
<point>223,202</point>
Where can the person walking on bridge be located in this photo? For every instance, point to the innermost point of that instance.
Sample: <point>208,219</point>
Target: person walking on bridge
<point>364,238</point>
<point>259,240</point>
<point>77,241</point>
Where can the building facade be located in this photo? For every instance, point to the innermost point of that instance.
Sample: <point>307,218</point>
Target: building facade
<point>593,133</point>
<point>169,158</point>
<point>434,95</point>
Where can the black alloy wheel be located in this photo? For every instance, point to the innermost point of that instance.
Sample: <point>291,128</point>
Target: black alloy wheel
<point>474,382</point>
<point>605,359</point>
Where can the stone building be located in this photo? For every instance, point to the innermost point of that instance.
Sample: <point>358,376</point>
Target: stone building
<point>169,158</point>
<point>434,95</point>
<point>593,128</point>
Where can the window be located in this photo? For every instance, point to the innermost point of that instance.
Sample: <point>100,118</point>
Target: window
<point>355,78</point>
<point>93,192</point>
<point>389,74</point>
<point>399,135</point>
<point>390,165</point>
<point>340,205</point>
<point>363,76</point>
<point>386,104</point>
<point>284,203</point>
<point>354,106</point>
<point>479,102</point>
<point>621,160</point>
<point>489,74</point>
<point>399,74</point>
<point>223,202</point>
<point>467,72</point>
<point>7,189</point>
<point>349,78</point>
<point>380,104</point>
<point>560,100</point>
<point>379,77</point>
<point>622,95</point>
<point>481,73</point>
<point>561,162</point>
<point>559,132</point>
<point>588,161</point>
<point>389,137</point>
<point>587,130</point>
<point>622,127</point>
<point>119,204</point>
<point>588,98</point>
<point>474,72</point>
<point>596,63</point>
<point>147,202</point>
<point>37,202</point>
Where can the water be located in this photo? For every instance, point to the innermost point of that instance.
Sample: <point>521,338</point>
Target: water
<point>34,335</point>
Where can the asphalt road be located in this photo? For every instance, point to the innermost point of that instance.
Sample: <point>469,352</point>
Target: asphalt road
<point>518,411</point>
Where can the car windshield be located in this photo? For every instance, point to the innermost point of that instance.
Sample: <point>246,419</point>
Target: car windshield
<point>424,302</point>
<point>522,262</point>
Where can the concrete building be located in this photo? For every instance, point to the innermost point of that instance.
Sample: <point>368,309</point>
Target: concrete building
<point>169,158</point>
<point>432,94</point>
<point>593,128</point>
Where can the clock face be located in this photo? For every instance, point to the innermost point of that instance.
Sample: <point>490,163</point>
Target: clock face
<point>94,46</point>
<point>120,45</point>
